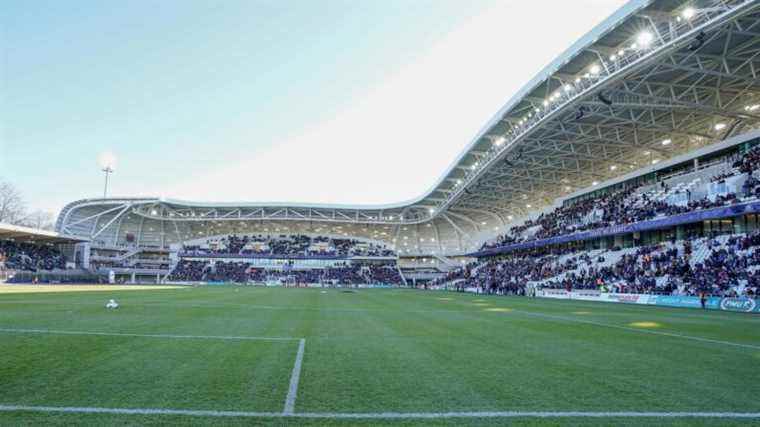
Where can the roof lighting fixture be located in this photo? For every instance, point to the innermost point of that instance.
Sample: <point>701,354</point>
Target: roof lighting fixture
<point>499,141</point>
<point>567,88</point>
<point>510,217</point>
<point>613,57</point>
<point>646,153</point>
<point>568,188</point>
<point>720,126</point>
<point>613,167</point>
<point>546,103</point>
<point>644,38</point>
<point>666,141</point>
<point>577,80</point>
<point>621,52</point>
<point>536,110</point>
<point>595,183</point>
<point>459,182</point>
<point>655,161</point>
<point>595,69</point>
<point>752,107</point>
<point>528,206</point>
<point>688,13</point>
<point>431,210</point>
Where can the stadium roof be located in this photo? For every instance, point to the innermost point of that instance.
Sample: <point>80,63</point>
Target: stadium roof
<point>655,80</point>
<point>34,235</point>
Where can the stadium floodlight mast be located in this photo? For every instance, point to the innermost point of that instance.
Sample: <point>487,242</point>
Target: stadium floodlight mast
<point>107,170</point>
<point>107,163</point>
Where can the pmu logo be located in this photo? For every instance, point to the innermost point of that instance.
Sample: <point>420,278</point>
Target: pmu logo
<point>738,304</point>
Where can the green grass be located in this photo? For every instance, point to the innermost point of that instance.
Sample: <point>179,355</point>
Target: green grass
<point>371,351</point>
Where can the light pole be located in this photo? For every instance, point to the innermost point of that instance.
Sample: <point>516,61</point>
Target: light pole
<point>107,171</point>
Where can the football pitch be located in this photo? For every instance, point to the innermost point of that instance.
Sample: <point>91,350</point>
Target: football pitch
<point>241,355</point>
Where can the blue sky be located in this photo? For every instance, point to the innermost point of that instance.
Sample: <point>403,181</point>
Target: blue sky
<point>353,101</point>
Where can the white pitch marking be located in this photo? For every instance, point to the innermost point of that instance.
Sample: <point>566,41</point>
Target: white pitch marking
<point>290,400</point>
<point>646,331</point>
<point>376,415</point>
<point>120,334</point>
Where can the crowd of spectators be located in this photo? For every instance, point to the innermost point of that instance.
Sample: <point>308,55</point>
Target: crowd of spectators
<point>300,246</point>
<point>730,269</point>
<point>626,206</point>
<point>30,257</point>
<point>243,272</point>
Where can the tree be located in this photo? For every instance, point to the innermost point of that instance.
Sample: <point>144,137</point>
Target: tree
<point>41,220</point>
<point>12,207</point>
<point>13,210</point>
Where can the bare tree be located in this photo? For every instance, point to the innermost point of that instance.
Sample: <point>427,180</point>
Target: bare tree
<point>13,210</point>
<point>41,220</point>
<point>12,207</point>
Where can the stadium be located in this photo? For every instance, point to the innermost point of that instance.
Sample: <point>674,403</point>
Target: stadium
<point>590,258</point>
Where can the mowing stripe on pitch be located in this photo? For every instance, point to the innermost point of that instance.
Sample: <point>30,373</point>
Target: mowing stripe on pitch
<point>645,331</point>
<point>290,400</point>
<point>121,334</point>
<point>375,415</point>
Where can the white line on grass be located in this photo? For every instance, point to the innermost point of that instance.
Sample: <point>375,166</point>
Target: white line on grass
<point>376,415</point>
<point>290,401</point>
<point>645,331</point>
<point>120,334</point>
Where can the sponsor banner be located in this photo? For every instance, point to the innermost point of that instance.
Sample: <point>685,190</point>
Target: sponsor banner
<point>630,298</point>
<point>685,301</point>
<point>747,305</point>
<point>592,295</point>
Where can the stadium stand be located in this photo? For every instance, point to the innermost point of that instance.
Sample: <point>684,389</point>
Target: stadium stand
<point>694,257</point>
<point>290,246</point>
<point>29,255</point>
<point>243,272</point>
<point>629,205</point>
<point>724,266</point>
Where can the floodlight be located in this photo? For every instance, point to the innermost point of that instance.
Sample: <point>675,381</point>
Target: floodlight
<point>644,38</point>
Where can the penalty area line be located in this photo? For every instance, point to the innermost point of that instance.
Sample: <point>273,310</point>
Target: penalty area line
<point>375,415</point>
<point>122,334</point>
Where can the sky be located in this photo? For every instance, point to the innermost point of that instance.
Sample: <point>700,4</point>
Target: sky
<point>309,101</point>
